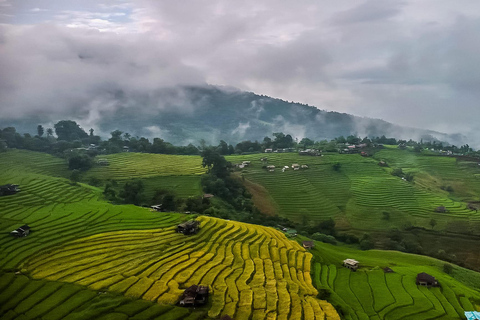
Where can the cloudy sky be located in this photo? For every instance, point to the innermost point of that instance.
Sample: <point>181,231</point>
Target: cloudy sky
<point>410,62</point>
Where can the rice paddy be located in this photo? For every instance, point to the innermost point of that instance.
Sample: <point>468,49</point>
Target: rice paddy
<point>370,293</point>
<point>359,193</point>
<point>23,298</point>
<point>254,272</point>
<point>89,259</point>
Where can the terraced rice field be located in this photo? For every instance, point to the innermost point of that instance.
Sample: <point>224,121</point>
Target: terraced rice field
<point>58,211</point>
<point>130,165</point>
<point>358,193</point>
<point>370,293</point>
<point>23,298</point>
<point>254,272</point>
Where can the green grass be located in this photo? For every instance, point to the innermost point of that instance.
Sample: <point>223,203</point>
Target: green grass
<point>361,191</point>
<point>370,293</point>
<point>143,165</point>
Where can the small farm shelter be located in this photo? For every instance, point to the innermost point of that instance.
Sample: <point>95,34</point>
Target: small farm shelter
<point>383,164</point>
<point>295,166</point>
<point>424,279</point>
<point>103,162</point>
<point>271,168</point>
<point>304,166</point>
<point>157,207</point>
<point>472,315</point>
<point>292,232</point>
<point>208,196</point>
<point>23,231</point>
<point>387,270</point>
<point>9,189</point>
<point>126,149</point>
<point>308,244</point>
<point>441,209</point>
<point>246,163</point>
<point>194,296</point>
<point>188,227</point>
<point>350,264</point>
<point>268,150</point>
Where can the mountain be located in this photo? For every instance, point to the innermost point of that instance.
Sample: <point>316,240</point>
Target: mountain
<point>186,114</point>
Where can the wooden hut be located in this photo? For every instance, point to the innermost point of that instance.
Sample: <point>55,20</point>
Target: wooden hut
<point>350,264</point>
<point>9,189</point>
<point>23,231</point>
<point>308,244</point>
<point>424,279</point>
<point>194,296</point>
<point>188,227</point>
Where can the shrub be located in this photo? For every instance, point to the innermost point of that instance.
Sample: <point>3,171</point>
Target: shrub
<point>448,268</point>
<point>324,238</point>
<point>324,294</point>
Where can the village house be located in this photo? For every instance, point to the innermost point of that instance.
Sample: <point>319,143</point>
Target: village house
<point>23,231</point>
<point>269,150</point>
<point>188,227</point>
<point>309,152</point>
<point>9,189</point>
<point>126,149</point>
<point>350,264</point>
<point>424,279</point>
<point>194,296</point>
<point>295,166</point>
<point>308,244</point>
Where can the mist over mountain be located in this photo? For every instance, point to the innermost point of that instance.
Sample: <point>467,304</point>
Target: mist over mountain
<point>186,114</point>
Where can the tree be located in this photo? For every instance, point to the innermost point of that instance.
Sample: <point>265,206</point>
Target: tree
<point>69,130</point>
<point>49,132</point>
<point>132,192</point>
<point>433,223</point>
<point>75,176</point>
<point>40,130</point>
<point>80,162</point>
<point>215,163</point>
<point>306,142</point>
<point>222,148</point>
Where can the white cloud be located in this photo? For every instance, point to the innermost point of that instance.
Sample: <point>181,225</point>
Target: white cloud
<point>409,62</point>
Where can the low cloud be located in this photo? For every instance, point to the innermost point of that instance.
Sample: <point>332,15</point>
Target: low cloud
<point>415,63</point>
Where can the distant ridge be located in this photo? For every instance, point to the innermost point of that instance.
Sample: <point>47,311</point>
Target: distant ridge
<point>183,115</point>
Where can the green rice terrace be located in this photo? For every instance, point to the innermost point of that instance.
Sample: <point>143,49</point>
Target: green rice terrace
<point>86,258</point>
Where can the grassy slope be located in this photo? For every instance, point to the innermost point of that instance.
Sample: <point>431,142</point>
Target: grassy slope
<point>59,212</point>
<point>370,293</point>
<point>250,268</point>
<point>359,193</point>
<point>180,174</point>
<point>243,264</point>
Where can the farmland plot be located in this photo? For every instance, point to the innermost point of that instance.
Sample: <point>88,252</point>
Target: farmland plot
<point>254,272</point>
